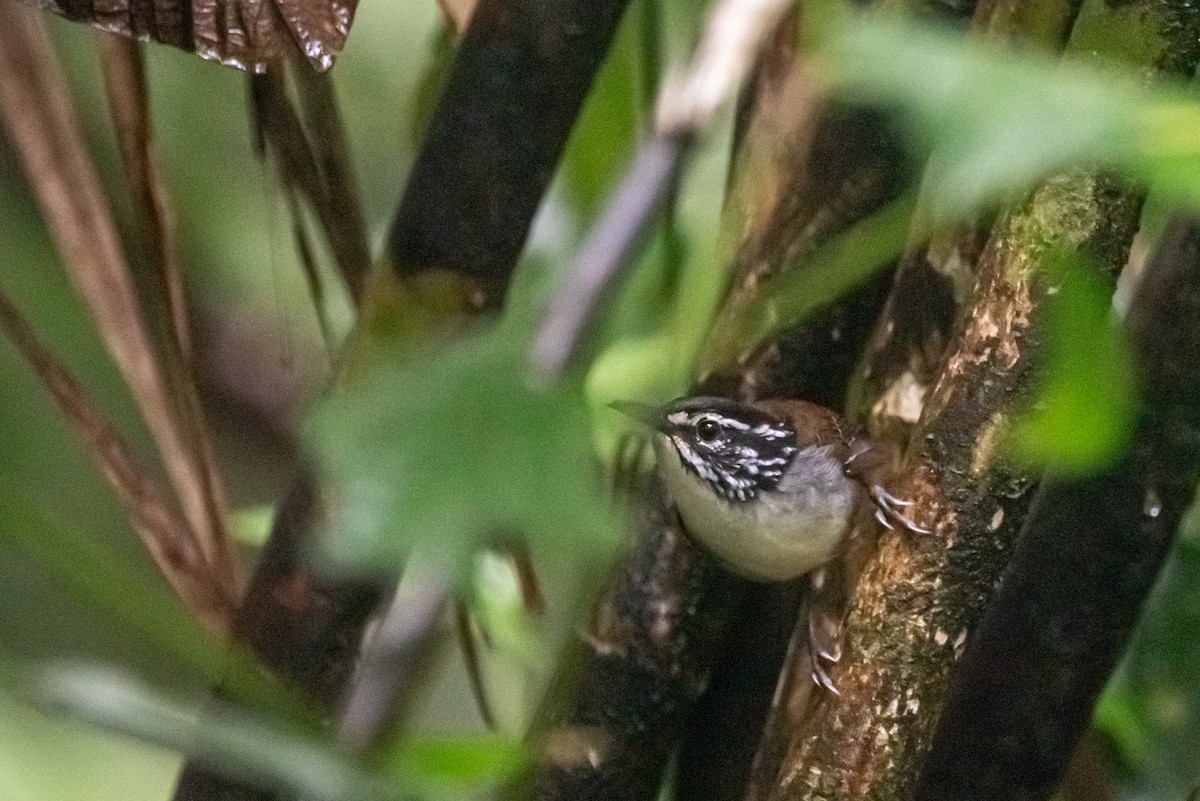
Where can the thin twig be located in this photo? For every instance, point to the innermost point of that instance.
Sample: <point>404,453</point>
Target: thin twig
<point>393,660</point>
<point>163,533</point>
<point>734,35</point>
<point>606,252</point>
<point>129,104</point>
<point>41,124</point>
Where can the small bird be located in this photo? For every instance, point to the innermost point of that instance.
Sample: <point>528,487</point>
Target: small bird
<point>773,487</point>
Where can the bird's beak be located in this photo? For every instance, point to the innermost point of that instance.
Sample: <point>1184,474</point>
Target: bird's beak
<point>644,413</point>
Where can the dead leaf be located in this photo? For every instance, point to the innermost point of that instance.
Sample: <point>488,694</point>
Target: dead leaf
<point>248,34</point>
<point>129,105</point>
<point>308,144</point>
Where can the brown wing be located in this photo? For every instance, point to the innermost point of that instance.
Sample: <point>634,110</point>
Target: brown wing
<point>814,425</point>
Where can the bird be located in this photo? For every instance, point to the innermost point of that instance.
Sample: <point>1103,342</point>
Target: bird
<point>772,487</point>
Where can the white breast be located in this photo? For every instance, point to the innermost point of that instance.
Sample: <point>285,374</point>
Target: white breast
<point>783,533</point>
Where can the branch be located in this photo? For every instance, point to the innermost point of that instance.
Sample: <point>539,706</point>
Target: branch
<point>1087,559</point>
<point>40,123</point>
<point>607,251</point>
<point>617,708</point>
<point>627,702</point>
<point>523,69</point>
<point>918,602</point>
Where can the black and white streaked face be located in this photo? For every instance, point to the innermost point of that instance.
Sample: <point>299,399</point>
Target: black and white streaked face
<point>735,450</point>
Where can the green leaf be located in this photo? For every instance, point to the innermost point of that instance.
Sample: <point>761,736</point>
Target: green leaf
<point>1083,413</point>
<point>449,765</point>
<point>88,764</point>
<point>449,449</point>
<point>251,525</point>
<point>995,122</point>
<point>1121,716</point>
<point>605,134</point>
<point>831,272</point>
<point>240,745</point>
<point>500,611</point>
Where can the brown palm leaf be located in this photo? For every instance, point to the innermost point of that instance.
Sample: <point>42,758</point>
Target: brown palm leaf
<point>248,34</point>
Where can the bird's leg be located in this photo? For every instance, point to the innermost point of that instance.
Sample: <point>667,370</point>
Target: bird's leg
<point>825,603</point>
<point>871,465</point>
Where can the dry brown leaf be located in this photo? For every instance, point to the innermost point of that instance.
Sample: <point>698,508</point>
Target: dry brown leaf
<point>248,34</point>
<point>165,536</point>
<point>128,103</point>
<point>37,114</point>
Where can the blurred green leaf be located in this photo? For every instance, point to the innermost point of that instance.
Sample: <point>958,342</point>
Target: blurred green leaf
<point>1083,412</point>
<point>603,139</point>
<point>831,272</point>
<point>1119,714</point>
<point>995,122</point>
<point>130,771</point>
<point>450,449</point>
<point>500,610</point>
<point>251,525</point>
<point>449,765</point>
<point>1149,708</point>
<point>247,747</point>
<point>146,614</point>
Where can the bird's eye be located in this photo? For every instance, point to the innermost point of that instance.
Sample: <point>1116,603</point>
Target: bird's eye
<point>708,430</point>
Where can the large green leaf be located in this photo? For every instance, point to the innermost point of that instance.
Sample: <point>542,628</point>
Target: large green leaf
<point>1083,412</point>
<point>996,121</point>
<point>147,618</point>
<point>453,447</point>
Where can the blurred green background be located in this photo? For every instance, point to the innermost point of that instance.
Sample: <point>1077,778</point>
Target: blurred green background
<point>250,296</point>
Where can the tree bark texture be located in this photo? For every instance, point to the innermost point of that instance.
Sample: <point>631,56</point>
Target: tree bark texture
<point>919,601</point>
<point>804,172</point>
<point>626,687</point>
<point>1090,552</point>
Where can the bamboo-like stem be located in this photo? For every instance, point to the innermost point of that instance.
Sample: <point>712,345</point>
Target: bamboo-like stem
<point>637,677</point>
<point>918,602</point>
<point>496,135</point>
<point>1088,557</point>
<point>538,57</point>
